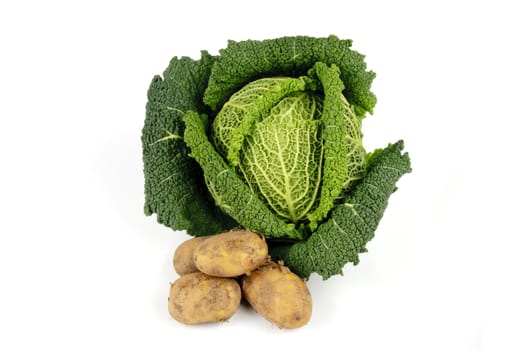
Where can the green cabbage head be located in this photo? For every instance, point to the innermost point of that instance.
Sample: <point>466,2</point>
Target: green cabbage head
<point>289,140</point>
<point>267,136</point>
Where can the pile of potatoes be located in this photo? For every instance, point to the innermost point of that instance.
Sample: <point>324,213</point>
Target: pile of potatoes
<point>214,268</point>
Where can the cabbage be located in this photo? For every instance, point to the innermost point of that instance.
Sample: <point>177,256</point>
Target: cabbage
<point>267,136</point>
<point>296,141</point>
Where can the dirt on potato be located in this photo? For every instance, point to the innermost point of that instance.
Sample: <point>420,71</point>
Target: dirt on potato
<point>231,254</point>
<point>279,295</point>
<point>199,298</point>
<point>183,257</point>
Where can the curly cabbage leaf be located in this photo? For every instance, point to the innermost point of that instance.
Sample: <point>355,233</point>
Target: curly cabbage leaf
<point>246,61</point>
<point>335,168</point>
<point>281,158</point>
<point>352,223</point>
<point>231,193</point>
<point>245,108</point>
<point>355,152</point>
<point>174,185</point>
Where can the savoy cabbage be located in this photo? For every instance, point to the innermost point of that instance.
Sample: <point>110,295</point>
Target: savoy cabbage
<point>267,136</point>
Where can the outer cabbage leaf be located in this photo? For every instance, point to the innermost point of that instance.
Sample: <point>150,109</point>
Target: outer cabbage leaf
<point>281,158</point>
<point>174,183</point>
<point>245,61</point>
<point>230,192</point>
<point>335,169</point>
<point>351,224</point>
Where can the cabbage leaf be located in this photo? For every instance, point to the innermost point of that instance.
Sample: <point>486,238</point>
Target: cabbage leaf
<point>231,194</point>
<point>174,185</point>
<point>281,158</point>
<point>335,170</point>
<point>351,224</point>
<point>248,60</point>
<point>247,106</point>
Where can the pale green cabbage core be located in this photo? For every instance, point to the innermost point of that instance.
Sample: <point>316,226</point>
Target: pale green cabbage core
<point>355,153</point>
<point>271,131</point>
<point>281,158</point>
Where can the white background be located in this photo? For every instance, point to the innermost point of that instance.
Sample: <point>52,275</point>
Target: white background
<point>81,267</point>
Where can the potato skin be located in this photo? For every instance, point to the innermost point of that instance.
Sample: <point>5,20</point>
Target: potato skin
<point>183,256</point>
<point>278,295</point>
<point>198,298</point>
<point>231,253</point>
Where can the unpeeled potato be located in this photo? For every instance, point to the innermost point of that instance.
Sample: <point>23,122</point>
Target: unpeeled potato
<point>198,298</point>
<point>279,295</point>
<point>231,253</point>
<point>183,256</point>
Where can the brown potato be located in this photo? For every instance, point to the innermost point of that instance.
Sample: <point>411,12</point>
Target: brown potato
<point>279,295</point>
<point>198,298</point>
<point>231,253</point>
<point>183,256</point>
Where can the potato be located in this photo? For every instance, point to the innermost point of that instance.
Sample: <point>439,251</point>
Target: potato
<point>198,298</point>
<point>279,295</point>
<point>183,256</point>
<point>231,253</point>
